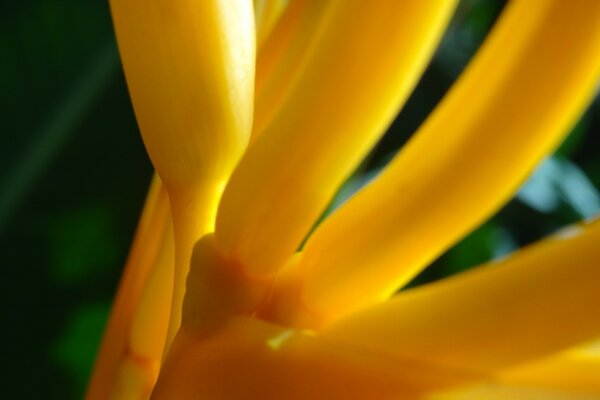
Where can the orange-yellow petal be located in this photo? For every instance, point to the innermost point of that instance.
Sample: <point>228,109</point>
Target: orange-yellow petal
<point>366,62</point>
<point>540,300</point>
<point>523,91</point>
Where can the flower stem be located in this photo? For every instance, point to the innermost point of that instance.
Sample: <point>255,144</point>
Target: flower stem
<point>194,211</point>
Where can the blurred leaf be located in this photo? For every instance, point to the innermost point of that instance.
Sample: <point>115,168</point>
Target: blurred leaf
<point>540,191</point>
<point>488,242</point>
<point>53,134</point>
<point>76,347</point>
<point>578,191</point>
<point>481,16</point>
<point>557,181</point>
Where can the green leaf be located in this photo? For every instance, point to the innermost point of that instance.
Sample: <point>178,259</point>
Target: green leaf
<point>76,348</point>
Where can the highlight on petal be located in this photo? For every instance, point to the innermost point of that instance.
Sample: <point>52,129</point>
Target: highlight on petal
<point>366,63</point>
<point>537,302</point>
<point>252,358</point>
<point>525,88</point>
<point>146,255</point>
<point>190,73</point>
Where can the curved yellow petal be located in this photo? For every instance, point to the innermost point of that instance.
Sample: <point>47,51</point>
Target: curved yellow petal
<point>143,256</point>
<point>541,300</point>
<point>515,102</point>
<point>249,358</point>
<point>366,63</point>
<point>192,92</point>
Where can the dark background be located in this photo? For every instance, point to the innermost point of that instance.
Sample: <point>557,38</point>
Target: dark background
<point>73,177</point>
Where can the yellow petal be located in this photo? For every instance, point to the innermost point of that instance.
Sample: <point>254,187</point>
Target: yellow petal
<point>576,370</point>
<point>249,358</point>
<point>283,56</point>
<point>266,15</point>
<point>541,300</point>
<point>143,257</point>
<point>135,379</point>
<point>502,392</point>
<point>190,72</point>
<point>570,375</point>
<point>515,102</point>
<point>366,63</point>
<point>149,324</point>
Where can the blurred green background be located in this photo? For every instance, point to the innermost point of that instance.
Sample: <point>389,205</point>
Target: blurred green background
<point>73,177</point>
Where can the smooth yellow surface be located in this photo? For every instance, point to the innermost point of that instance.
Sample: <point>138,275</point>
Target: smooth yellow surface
<point>367,61</point>
<point>142,259</point>
<point>190,71</point>
<point>149,324</point>
<point>503,392</point>
<point>282,58</point>
<point>266,15</point>
<point>541,300</point>
<point>525,88</point>
<point>135,379</point>
<point>576,370</point>
<point>250,359</point>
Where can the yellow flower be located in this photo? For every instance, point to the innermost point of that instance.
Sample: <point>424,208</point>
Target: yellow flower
<point>246,176</point>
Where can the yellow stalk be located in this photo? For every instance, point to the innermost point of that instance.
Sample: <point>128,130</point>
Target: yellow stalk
<point>192,90</point>
<point>539,301</point>
<point>144,255</point>
<point>523,91</point>
<point>350,88</point>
